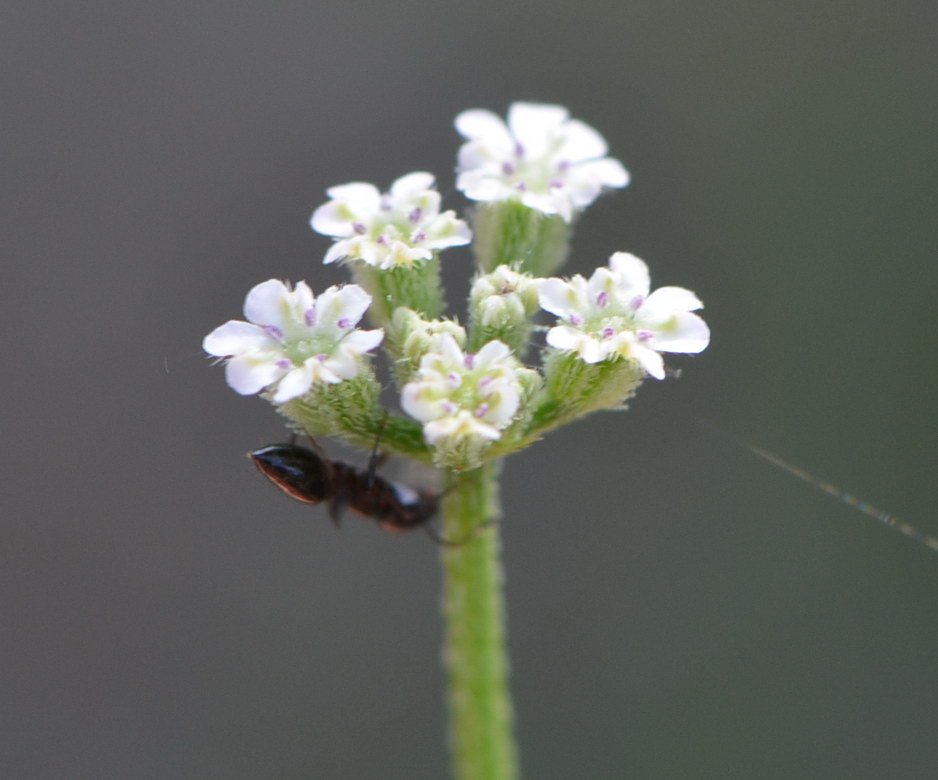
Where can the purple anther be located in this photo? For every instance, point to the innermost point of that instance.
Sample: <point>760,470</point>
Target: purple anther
<point>602,299</point>
<point>344,323</point>
<point>386,202</point>
<point>508,169</point>
<point>321,357</point>
<point>309,316</point>
<point>284,364</point>
<point>563,165</point>
<point>521,187</point>
<point>636,303</point>
<point>274,332</point>
<point>454,378</point>
<point>519,149</point>
<point>608,333</point>
<point>382,239</point>
<point>576,320</point>
<point>417,237</point>
<point>415,215</point>
<point>360,228</point>
<point>645,335</point>
<point>556,184</point>
<point>482,410</point>
<point>485,382</point>
<point>469,360</point>
<point>449,407</point>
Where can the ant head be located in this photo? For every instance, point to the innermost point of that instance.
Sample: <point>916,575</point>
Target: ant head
<point>298,471</point>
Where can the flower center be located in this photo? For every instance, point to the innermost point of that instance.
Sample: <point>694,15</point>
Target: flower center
<point>300,350</point>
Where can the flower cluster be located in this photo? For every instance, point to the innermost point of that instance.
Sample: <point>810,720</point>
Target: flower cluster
<point>612,314</point>
<point>464,395</point>
<point>399,227</point>
<point>551,163</point>
<point>466,391</point>
<point>293,339</point>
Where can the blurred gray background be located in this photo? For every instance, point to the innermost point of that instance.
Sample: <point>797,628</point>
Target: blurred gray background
<point>678,608</point>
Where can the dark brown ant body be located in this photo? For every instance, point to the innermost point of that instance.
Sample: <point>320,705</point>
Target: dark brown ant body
<point>308,476</point>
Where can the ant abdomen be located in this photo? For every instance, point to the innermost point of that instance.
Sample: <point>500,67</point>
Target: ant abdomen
<point>299,472</point>
<point>307,476</point>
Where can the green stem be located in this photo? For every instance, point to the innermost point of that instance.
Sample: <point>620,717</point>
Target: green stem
<point>509,233</point>
<point>481,735</point>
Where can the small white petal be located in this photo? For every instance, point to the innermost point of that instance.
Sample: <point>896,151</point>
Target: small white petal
<point>348,302</point>
<point>477,427</point>
<point>603,280</point>
<point>503,405</point>
<point>411,186</point>
<point>357,195</point>
<point>492,352</point>
<point>301,300</point>
<point>362,341</point>
<point>592,351</point>
<point>445,345</point>
<point>650,360</point>
<point>461,424</point>
<point>581,190</point>
<point>476,185</point>
<point>477,157</point>
<point>479,123</point>
<point>547,203</point>
<point>354,302</point>
<point>565,337</point>
<point>633,272</point>
<point>674,299</point>
<point>342,364</point>
<point>236,337</point>
<point>608,172</point>
<point>296,383</point>
<point>560,297</point>
<point>581,142</point>
<point>338,251</point>
<point>685,332</point>
<point>333,219</point>
<point>532,123</point>
<point>420,401</point>
<point>268,304</point>
<point>428,201</point>
<point>248,374</point>
<point>447,232</point>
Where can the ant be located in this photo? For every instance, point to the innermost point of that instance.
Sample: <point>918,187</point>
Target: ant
<point>308,476</point>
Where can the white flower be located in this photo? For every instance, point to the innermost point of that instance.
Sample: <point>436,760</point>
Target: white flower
<point>613,314</point>
<point>549,162</point>
<point>293,339</point>
<point>464,395</point>
<point>400,227</point>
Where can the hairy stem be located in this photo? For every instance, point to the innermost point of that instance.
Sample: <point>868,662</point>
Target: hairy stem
<point>481,734</point>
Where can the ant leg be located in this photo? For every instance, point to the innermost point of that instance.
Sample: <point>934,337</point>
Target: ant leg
<point>314,444</point>
<point>336,510</point>
<point>377,458</point>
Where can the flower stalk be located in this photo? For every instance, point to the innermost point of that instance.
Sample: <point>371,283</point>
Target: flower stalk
<point>481,717</point>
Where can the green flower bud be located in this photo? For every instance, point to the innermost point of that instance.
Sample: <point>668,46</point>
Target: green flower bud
<point>410,337</point>
<point>500,305</point>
